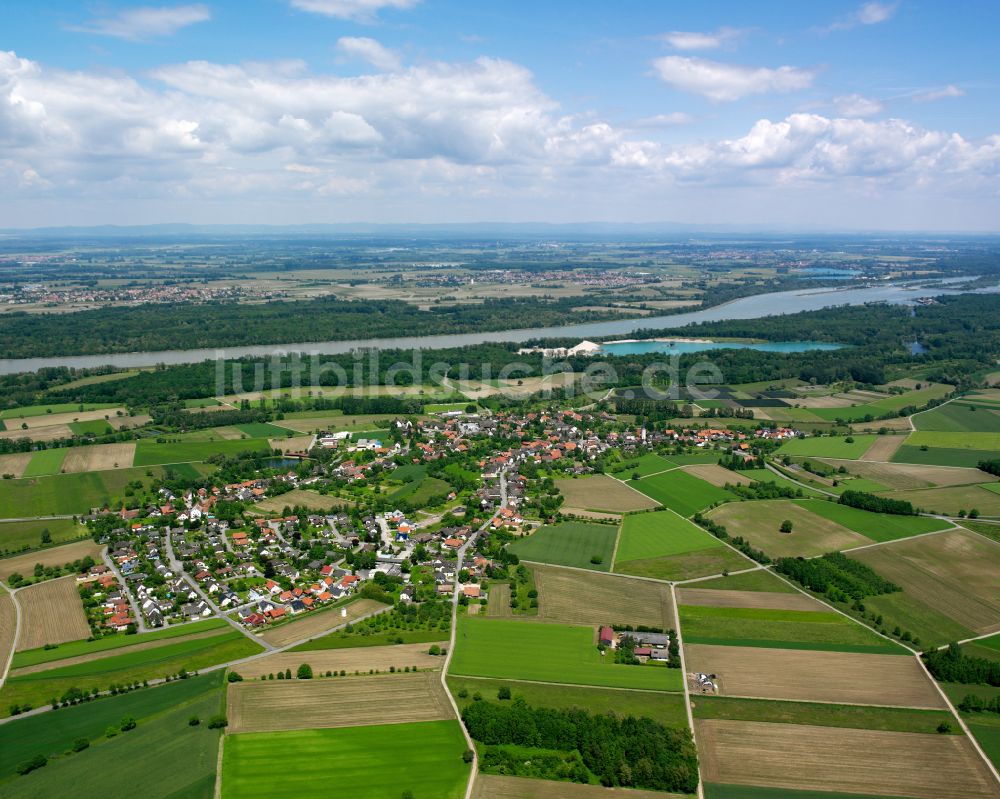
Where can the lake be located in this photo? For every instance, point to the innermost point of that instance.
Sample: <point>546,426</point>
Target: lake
<point>775,303</point>
<point>685,347</point>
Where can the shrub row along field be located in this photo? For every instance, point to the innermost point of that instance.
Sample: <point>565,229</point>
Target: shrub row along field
<point>784,629</point>
<point>570,544</point>
<point>593,598</point>
<point>378,762</point>
<point>548,652</point>
<point>272,706</point>
<point>39,688</point>
<point>681,492</point>
<point>830,759</point>
<point>600,492</point>
<point>164,754</point>
<point>842,677</point>
<point>51,613</point>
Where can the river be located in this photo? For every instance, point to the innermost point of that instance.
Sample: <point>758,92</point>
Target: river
<point>784,302</point>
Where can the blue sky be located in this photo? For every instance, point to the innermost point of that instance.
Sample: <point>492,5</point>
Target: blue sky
<point>832,115</point>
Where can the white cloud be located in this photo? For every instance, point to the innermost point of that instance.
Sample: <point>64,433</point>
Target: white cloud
<point>138,24</point>
<point>857,105</point>
<point>868,14</point>
<point>670,120</point>
<point>943,93</point>
<point>694,40</point>
<point>355,10</point>
<point>725,82</point>
<point>369,50</point>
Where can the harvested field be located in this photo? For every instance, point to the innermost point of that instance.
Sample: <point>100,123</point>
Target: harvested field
<point>99,457</point>
<point>273,706</point>
<point>498,604</point>
<point>320,622</point>
<point>811,534</point>
<point>883,448</point>
<point>746,599</point>
<point>489,786</point>
<point>48,419</point>
<point>51,613</point>
<point>845,760</point>
<point>829,401</point>
<point>601,492</point>
<point>717,475</point>
<point>896,425</point>
<point>911,475</point>
<point>350,660</point>
<point>55,556</point>
<point>293,444</point>
<point>955,573</point>
<point>48,433</point>
<point>952,499</point>
<point>572,597</point>
<point>8,627</point>
<point>128,422</point>
<point>299,496</point>
<point>15,464</point>
<point>848,677</point>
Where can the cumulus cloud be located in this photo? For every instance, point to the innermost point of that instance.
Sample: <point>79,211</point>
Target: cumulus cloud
<point>943,93</point>
<point>369,50</point>
<point>354,10</point>
<point>138,24</point>
<point>857,105</point>
<point>868,14</point>
<point>695,40</point>
<point>725,82</point>
<point>673,119</point>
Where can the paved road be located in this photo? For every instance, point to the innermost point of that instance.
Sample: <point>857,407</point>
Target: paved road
<point>140,621</point>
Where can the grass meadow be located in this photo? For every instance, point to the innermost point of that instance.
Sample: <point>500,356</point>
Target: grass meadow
<point>681,492</point>
<point>828,446</point>
<point>660,534</point>
<point>66,494</point>
<point>16,535</point>
<point>876,526</point>
<point>150,453</point>
<point>569,544</point>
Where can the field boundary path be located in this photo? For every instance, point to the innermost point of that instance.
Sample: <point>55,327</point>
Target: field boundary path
<point>11,592</point>
<point>687,696</point>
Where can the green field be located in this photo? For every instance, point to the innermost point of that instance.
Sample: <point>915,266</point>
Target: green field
<point>964,440</point>
<point>876,526</point>
<point>66,494</point>
<point>53,733</point>
<point>892,719</point>
<point>264,430</point>
<point>928,624</point>
<point>17,535</point>
<point>38,688</point>
<point>95,427</point>
<point>149,453</point>
<point>46,461</point>
<point>657,705</point>
<point>757,580</point>
<point>951,500</point>
<point>828,446</point>
<point>681,491</point>
<point>767,476</point>
<point>523,650</point>
<point>32,657</point>
<point>780,629</point>
<point>660,534</point>
<point>687,566</point>
<point>649,463</point>
<point>942,456</point>
<point>42,410</point>
<point>569,544</point>
<point>954,418</point>
<point>376,762</point>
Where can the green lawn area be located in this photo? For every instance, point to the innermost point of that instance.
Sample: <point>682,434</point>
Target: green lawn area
<point>660,534</point>
<point>757,580</point>
<point>891,719</point>
<point>645,464</point>
<point>657,705</point>
<point>569,544</point>
<point>264,430</point>
<point>524,650</point>
<point>38,688</point>
<point>942,456</point>
<point>95,427</point>
<point>681,491</point>
<point>876,526</point>
<point>44,462</point>
<point>53,733</point>
<point>377,762</point>
<point>162,758</point>
<point>955,418</point>
<point>828,446</point>
<point>16,535</point>
<point>779,629</point>
<point>42,410</point>
<point>33,657</point>
<point>64,494</point>
<point>148,453</point>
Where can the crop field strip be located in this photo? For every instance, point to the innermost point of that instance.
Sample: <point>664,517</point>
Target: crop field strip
<point>601,492</point>
<point>756,579</point>
<point>99,457</point>
<point>569,544</point>
<point>51,613</point>
<point>692,594</point>
<point>571,597</point>
<point>319,622</point>
<point>660,534</point>
<point>959,417</point>
<point>351,660</point>
<point>900,476</point>
<point>681,492</point>
<point>717,475</point>
<point>953,572</point>
<point>850,760</point>
<point>827,447</point>
<point>322,702</point>
<point>879,527</point>
<point>816,676</point>
<point>647,464</point>
<point>489,786</point>
<point>883,448</point>
<point>53,556</point>
<point>953,499</point>
<point>15,464</point>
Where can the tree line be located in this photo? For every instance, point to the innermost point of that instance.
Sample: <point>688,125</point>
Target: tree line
<point>839,577</point>
<point>870,502</point>
<point>953,665</point>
